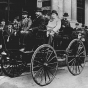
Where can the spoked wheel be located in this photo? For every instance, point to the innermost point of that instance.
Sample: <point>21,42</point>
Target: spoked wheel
<point>11,67</point>
<point>44,65</point>
<point>76,55</point>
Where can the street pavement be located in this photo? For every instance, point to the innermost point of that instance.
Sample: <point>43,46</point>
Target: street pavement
<point>63,79</point>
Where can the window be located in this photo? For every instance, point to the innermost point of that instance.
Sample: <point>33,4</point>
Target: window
<point>81,11</point>
<point>46,3</point>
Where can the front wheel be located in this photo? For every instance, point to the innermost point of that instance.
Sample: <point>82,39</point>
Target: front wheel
<point>44,65</point>
<point>76,55</point>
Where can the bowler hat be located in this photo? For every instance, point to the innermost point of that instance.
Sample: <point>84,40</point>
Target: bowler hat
<point>65,15</point>
<point>24,13</point>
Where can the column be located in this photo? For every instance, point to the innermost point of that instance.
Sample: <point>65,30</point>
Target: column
<point>54,4</point>
<point>67,7</point>
<point>74,10</point>
<point>86,12</point>
<point>58,6</point>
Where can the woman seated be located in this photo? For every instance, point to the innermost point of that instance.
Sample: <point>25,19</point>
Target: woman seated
<point>53,26</point>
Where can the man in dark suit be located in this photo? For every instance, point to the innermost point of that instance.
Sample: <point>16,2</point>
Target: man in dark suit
<point>65,25</point>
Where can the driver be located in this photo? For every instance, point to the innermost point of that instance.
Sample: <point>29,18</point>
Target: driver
<point>53,26</point>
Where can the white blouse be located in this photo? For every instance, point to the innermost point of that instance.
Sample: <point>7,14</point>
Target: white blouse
<point>53,25</point>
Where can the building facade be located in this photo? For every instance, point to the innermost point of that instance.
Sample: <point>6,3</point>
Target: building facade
<point>77,9</point>
<point>9,9</point>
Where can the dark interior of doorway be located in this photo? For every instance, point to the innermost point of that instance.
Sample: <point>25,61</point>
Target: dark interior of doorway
<point>9,9</point>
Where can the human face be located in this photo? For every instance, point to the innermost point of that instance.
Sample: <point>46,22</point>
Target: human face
<point>9,27</point>
<point>54,16</point>
<point>3,22</point>
<point>65,18</point>
<point>38,14</point>
<point>24,16</point>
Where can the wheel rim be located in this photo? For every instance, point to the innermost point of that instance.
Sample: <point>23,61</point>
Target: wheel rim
<point>44,65</point>
<point>11,67</point>
<point>76,55</point>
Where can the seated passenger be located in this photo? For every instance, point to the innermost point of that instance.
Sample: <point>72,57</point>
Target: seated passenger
<point>26,22</point>
<point>65,25</point>
<point>40,22</point>
<point>25,26</point>
<point>53,26</point>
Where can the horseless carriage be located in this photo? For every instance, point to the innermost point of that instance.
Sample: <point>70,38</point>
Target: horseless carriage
<point>44,58</point>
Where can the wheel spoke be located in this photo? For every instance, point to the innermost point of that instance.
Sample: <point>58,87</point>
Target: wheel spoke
<point>52,63</point>
<point>37,66</point>
<point>82,56</point>
<point>79,49</point>
<point>42,73</point>
<point>81,53</point>
<point>36,72</point>
<point>71,60</point>
<point>37,61</point>
<point>51,68</point>
<point>73,65</point>
<point>78,68</point>
<point>48,74</point>
<point>81,65</point>
<point>81,60</point>
<point>72,56</point>
<point>10,71</point>
<point>52,58</point>
<point>45,75</point>
<point>49,55</point>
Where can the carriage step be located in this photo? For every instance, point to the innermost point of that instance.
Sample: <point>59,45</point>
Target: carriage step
<point>61,59</point>
<point>28,52</point>
<point>23,50</point>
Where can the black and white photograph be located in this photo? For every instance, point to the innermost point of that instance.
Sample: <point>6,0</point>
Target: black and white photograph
<point>43,43</point>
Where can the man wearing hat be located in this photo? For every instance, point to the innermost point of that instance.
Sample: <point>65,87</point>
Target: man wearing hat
<point>65,25</point>
<point>26,23</point>
<point>64,21</point>
<point>76,26</point>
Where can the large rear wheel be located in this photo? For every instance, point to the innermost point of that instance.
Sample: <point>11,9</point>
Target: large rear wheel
<point>76,55</point>
<point>44,64</point>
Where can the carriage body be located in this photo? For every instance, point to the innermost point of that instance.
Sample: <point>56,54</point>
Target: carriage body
<point>44,57</point>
